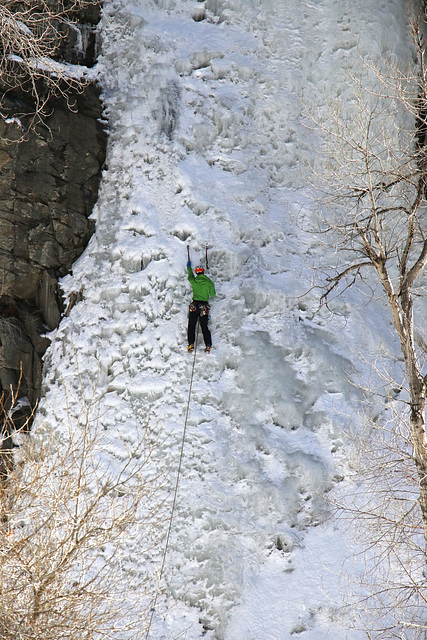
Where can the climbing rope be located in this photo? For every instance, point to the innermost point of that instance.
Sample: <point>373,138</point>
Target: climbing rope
<point>181,455</point>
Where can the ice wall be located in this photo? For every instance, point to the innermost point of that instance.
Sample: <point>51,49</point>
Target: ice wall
<point>207,144</point>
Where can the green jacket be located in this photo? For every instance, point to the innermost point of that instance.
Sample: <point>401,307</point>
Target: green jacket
<point>203,287</point>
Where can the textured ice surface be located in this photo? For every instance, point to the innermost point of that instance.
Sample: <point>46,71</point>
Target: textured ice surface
<point>206,148</point>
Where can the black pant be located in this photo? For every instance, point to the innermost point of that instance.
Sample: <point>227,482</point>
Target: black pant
<point>199,310</point>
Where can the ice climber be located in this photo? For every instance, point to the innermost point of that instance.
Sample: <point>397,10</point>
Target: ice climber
<point>203,289</point>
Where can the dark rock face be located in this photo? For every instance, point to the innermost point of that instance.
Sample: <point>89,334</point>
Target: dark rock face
<point>48,187</point>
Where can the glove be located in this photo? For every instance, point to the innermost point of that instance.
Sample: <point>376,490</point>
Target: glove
<point>189,263</point>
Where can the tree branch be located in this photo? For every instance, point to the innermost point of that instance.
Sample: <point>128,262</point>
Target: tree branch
<point>335,280</point>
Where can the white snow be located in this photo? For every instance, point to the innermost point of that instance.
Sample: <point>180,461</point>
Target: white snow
<point>207,144</point>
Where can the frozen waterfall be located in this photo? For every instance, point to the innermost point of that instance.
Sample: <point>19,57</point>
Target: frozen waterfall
<point>207,145</point>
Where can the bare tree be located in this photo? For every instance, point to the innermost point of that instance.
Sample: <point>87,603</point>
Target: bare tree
<point>386,590</point>
<point>31,34</point>
<point>374,211</point>
<point>66,503</point>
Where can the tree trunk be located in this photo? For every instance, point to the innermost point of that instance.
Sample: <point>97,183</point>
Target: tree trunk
<point>417,424</point>
<point>417,401</point>
<point>404,324</point>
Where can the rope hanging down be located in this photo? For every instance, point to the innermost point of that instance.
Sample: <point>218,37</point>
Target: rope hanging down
<point>181,455</point>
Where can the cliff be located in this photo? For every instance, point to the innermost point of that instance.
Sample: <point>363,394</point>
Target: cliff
<point>48,186</point>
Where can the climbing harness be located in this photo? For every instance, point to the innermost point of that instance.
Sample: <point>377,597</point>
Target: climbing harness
<point>181,455</point>
<point>203,308</point>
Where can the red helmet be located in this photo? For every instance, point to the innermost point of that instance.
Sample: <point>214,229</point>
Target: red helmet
<point>198,270</point>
